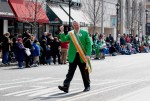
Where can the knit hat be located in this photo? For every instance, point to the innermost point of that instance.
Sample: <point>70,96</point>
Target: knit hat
<point>19,39</point>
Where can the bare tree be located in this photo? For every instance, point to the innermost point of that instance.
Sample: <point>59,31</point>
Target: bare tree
<point>134,17</point>
<point>92,9</point>
<point>141,18</point>
<point>33,13</point>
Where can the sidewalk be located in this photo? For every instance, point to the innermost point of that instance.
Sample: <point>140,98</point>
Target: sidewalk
<point>11,64</point>
<point>140,95</point>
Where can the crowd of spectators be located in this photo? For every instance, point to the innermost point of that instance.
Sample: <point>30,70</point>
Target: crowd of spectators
<point>29,51</point>
<point>124,45</point>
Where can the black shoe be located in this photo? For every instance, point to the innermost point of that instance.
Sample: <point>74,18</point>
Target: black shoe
<point>63,88</point>
<point>28,66</point>
<point>86,89</point>
<point>96,58</point>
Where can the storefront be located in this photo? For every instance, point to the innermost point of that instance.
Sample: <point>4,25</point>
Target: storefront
<point>57,18</point>
<point>59,15</point>
<point>29,18</point>
<point>7,18</point>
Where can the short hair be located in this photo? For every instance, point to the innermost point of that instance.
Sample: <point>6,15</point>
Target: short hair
<point>74,21</point>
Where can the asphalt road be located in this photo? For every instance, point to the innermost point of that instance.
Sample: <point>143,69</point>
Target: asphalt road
<point>111,79</point>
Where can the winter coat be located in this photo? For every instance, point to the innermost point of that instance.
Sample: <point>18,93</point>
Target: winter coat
<point>85,40</point>
<point>36,50</point>
<point>20,52</point>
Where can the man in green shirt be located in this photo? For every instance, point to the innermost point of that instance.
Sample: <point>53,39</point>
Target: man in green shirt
<point>74,57</point>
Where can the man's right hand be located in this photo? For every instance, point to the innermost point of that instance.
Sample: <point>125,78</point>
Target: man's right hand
<point>61,29</point>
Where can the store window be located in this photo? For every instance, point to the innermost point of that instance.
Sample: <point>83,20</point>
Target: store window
<point>42,29</point>
<point>3,0</point>
<point>19,29</point>
<point>56,30</point>
<point>27,26</point>
<point>11,26</point>
<point>51,29</point>
<point>1,31</point>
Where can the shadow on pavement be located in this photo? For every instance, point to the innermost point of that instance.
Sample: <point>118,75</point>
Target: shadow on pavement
<point>58,95</point>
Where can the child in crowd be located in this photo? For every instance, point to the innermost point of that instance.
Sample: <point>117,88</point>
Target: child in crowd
<point>48,56</point>
<point>20,56</point>
<point>35,53</point>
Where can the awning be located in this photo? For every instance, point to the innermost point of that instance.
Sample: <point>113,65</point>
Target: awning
<point>57,15</point>
<point>25,11</point>
<point>5,10</point>
<point>78,15</point>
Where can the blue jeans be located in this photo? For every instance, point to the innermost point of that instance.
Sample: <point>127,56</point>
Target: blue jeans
<point>5,57</point>
<point>20,64</point>
<point>48,61</point>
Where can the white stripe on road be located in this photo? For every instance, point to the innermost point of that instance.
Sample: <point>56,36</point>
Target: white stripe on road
<point>15,79</point>
<point>95,92</point>
<point>52,81</point>
<point>29,90</point>
<point>134,93</point>
<point>10,87</point>
<point>44,91</point>
<point>32,92</point>
<point>33,80</point>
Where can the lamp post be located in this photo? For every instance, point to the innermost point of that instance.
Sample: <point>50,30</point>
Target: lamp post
<point>117,12</point>
<point>146,27</point>
<point>69,15</point>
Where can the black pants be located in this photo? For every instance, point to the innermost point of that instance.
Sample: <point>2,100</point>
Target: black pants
<point>71,71</point>
<point>28,61</point>
<point>54,58</point>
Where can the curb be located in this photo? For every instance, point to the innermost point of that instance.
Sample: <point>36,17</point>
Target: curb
<point>11,64</point>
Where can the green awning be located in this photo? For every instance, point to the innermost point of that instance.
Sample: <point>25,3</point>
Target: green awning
<point>78,15</point>
<point>60,15</point>
<point>56,15</point>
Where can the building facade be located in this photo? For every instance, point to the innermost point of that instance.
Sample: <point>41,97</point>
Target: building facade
<point>147,11</point>
<point>132,17</point>
<point>18,16</point>
<point>128,18</point>
<point>58,13</point>
<point>7,18</point>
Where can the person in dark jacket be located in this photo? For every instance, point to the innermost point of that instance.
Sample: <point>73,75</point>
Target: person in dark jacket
<point>122,41</point>
<point>27,44</point>
<point>44,36</point>
<point>55,48</point>
<point>6,46</point>
<point>20,53</point>
<point>43,57</point>
<point>48,55</point>
<point>50,40</point>
<point>113,50</point>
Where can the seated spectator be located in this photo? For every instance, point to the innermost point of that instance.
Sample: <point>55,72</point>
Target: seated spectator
<point>146,48</point>
<point>125,51</point>
<point>112,50</point>
<point>117,46</point>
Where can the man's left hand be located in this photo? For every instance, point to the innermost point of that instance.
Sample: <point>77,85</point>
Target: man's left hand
<point>88,57</point>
